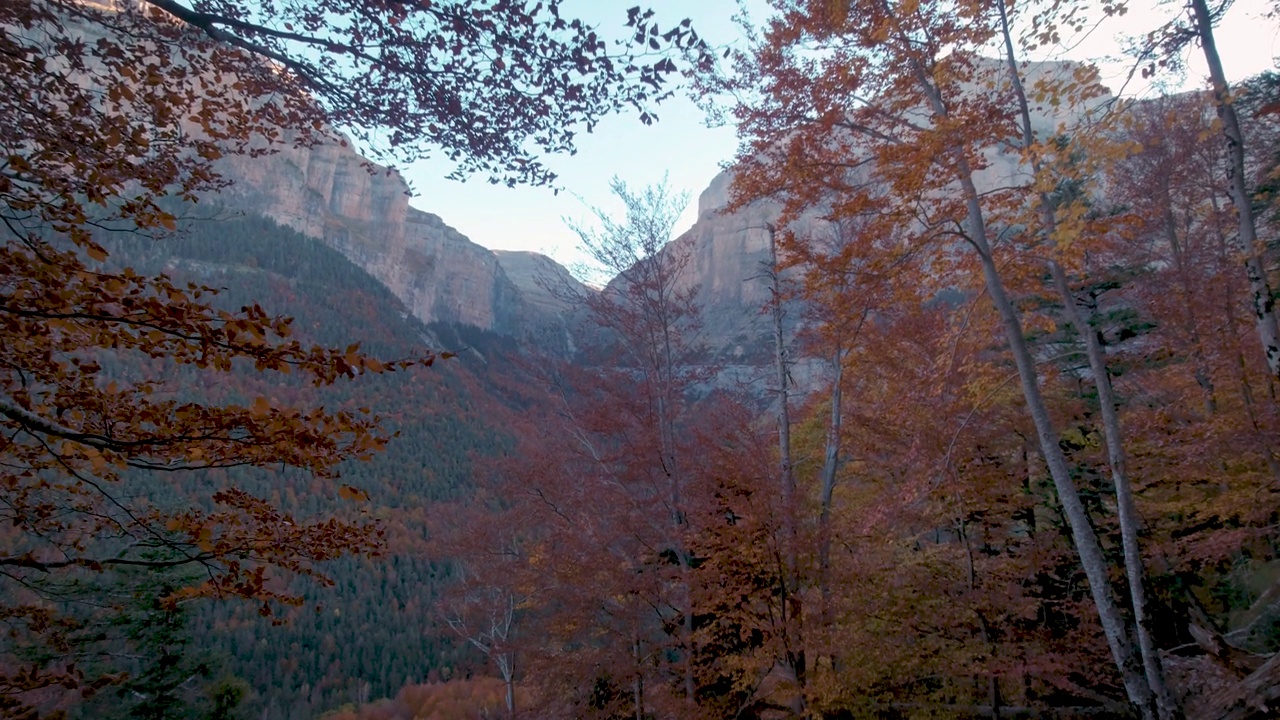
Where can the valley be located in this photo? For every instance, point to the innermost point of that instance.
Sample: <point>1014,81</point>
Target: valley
<point>957,400</point>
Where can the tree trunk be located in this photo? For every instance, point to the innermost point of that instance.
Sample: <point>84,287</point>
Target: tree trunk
<point>786,469</point>
<point>1126,507</point>
<point>1246,240</point>
<point>1246,389</point>
<point>1084,538</point>
<point>637,685</point>
<point>793,642</point>
<point>1082,533</point>
<point>830,464</point>
<point>511,694</point>
<point>1202,375</point>
<point>1154,686</point>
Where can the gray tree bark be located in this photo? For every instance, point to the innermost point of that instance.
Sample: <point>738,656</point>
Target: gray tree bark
<point>1264,314</point>
<point>1083,536</point>
<point>1166,707</point>
<point>793,642</point>
<point>1126,507</point>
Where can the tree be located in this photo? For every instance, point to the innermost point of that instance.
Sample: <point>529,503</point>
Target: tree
<point>1162,48</point>
<point>871,108</point>
<point>1246,236</point>
<point>493,582</point>
<point>649,308</point>
<point>793,642</point>
<point>113,116</point>
<point>609,490</point>
<point>1072,202</point>
<point>166,675</point>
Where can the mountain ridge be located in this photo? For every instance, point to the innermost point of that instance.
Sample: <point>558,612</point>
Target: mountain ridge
<point>330,193</point>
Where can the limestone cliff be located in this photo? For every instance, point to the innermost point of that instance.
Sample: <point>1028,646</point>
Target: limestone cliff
<point>548,313</point>
<point>331,193</point>
<point>727,252</point>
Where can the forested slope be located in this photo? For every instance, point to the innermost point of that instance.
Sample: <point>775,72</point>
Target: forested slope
<point>374,630</point>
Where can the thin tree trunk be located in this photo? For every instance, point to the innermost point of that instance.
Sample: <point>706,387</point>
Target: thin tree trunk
<point>686,625</point>
<point>1246,389</point>
<point>1082,532</point>
<point>637,685</point>
<point>1166,706</point>
<point>1246,240</point>
<point>506,667</point>
<point>1202,375</point>
<point>984,629</point>
<point>1114,625</point>
<point>1126,507</point>
<point>786,470</point>
<point>669,448</point>
<point>830,464</point>
<point>511,698</point>
<point>793,642</point>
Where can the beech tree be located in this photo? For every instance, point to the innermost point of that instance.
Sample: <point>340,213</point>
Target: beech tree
<point>649,309</point>
<point>483,612</point>
<point>834,300</point>
<point>869,108</point>
<point>113,115</point>
<point>633,614</point>
<point>1063,231</point>
<point>1181,274</point>
<point>1169,42</point>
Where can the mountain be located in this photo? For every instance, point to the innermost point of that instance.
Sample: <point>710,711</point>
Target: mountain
<point>727,252</point>
<point>331,193</point>
<point>375,629</point>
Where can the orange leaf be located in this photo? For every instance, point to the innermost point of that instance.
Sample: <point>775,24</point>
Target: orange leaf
<point>354,494</point>
<point>261,406</point>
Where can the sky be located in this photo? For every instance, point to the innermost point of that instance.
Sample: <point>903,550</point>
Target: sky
<point>681,147</point>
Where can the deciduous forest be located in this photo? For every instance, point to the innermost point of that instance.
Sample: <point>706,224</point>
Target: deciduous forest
<point>1012,446</point>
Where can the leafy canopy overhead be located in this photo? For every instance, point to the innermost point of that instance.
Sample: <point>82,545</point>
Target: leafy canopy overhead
<point>111,116</point>
<point>492,84</point>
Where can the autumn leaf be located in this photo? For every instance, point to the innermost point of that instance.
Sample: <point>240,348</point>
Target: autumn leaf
<point>261,407</point>
<point>351,493</point>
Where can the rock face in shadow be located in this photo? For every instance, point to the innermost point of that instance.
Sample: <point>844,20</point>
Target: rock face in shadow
<point>727,253</point>
<point>331,193</point>
<point>548,312</point>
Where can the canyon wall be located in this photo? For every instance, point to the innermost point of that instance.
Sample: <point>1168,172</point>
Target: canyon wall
<point>331,193</point>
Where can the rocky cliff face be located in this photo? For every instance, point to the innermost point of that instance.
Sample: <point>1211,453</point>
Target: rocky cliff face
<point>728,252</point>
<point>329,192</point>
<point>726,255</point>
<point>547,313</point>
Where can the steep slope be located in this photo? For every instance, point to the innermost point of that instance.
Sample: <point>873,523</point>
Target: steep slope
<point>374,630</point>
<point>547,314</point>
<point>727,254</point>
<point>332,194</point>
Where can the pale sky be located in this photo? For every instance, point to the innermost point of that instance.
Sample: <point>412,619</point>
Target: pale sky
<point>682,146</point>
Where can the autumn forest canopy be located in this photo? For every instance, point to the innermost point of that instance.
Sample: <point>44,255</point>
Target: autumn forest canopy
<point>999,438</point>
